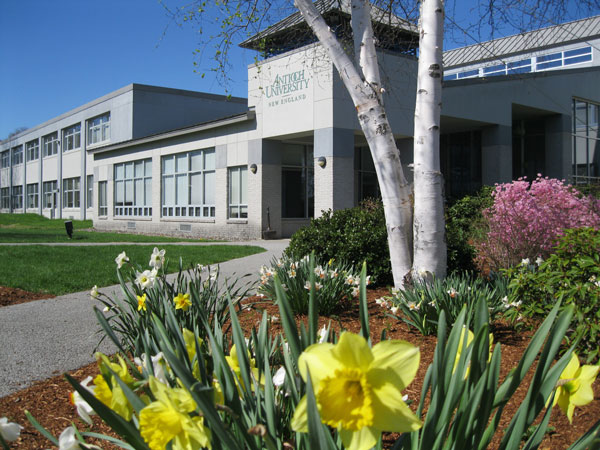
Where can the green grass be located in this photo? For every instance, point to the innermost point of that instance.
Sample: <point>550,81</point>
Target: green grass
<point>64,269</point>
<point>16,228</point>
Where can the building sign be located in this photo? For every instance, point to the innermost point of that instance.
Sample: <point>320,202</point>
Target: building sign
<point>287,88</point>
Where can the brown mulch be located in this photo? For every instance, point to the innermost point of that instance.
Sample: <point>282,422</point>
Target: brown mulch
<point>48,400</point>
<point>13,296</point>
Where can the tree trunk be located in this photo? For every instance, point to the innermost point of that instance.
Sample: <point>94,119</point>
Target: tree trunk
<point>365,92</point>
<point>429,229</point>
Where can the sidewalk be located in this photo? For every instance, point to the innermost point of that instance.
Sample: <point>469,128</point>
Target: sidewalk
<point>44,338</point>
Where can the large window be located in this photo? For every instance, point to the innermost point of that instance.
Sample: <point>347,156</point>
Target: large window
<point>17,155</point>
<point>71,138</point>
<point>49,189</point>
<point>5,158</point>
<point>33,195</point>
<point>17,197</point>
<point>298,190</point>
<point>5,198</point>
<point>32,150</point>
<point>586,142</point>
<point>50,144</point>
<point>188,184</point>
<point>71,193</point>
<point>102,198</point>
<point>89,189</point>
<point>460,161</point>
<point>98,129</point>
<point>238,187</point>
<point>367,185</point>
<point>133,188</point>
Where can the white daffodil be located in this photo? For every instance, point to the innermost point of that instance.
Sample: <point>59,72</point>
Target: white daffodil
<point>106,309</point>
<point>322,335</point>
<point>94,292</point>
<point>121,259</point>
<point>279,377</point>
<point>351,280</point>
<point>413,306</point>
<point>199,267</point>
<point>158,366</point>
<point>355,291</point>
<point>157,258</point>
<point>394,309</point>
<point>525,262</point>
<point>320,273</point>
<point>292,273</point>
<point>83,408</point>
<point>145,279</point>
<point>10,431</point>
<point>539,260</point>
<point>67,440</point>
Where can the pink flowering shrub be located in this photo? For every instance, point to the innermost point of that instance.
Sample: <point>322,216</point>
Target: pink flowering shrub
<point>526,219</point>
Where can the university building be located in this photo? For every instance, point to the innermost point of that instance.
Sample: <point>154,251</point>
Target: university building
<point>153,159</point>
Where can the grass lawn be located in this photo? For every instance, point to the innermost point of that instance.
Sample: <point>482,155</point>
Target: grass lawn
<point>36,228</point>
<point>61,270</point>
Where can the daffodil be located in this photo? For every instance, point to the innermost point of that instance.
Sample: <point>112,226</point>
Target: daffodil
<point>575,386</point>
<point>146,278</point>
<point>470,337</point>
<point>141,302</point>
<point>157,259</point>
<point>182,301</point>
<point>112,394</point>
<point>10,431</point>
<point>83,408</point>
<point>172,418</point>
<point>157,363</point>
<point>94,292</point>
<point>234,365</point>
<point>358,389</point>
<point>121,259</point>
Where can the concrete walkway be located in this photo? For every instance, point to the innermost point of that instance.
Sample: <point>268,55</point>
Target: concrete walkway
<point>44,338</point>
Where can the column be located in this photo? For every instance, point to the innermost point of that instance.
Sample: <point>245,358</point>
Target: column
<point>334,169</point>
<point>41,178</point>
<point>496,154</point>
<point>83,184</point>
<point>59,199</point>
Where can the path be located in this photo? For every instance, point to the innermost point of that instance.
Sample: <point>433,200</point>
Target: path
<point>43,338</point>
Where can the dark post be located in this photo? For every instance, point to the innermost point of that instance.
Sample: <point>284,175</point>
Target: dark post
<point>69,228</point>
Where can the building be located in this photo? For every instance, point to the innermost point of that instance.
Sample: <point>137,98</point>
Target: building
<point>151,159</point>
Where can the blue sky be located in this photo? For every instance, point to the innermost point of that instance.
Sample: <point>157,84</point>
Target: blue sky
<point>59,54</point>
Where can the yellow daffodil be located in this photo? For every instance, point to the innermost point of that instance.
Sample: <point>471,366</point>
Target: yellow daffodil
<point>182,301</point>
<point>172,417</point>
<point>112,395</point>
<point>141,302</point>
<point>190,346</point>
<point>575,386</point>
<point>358,389</point>
<point>234,364</point>
<point>470,337</point>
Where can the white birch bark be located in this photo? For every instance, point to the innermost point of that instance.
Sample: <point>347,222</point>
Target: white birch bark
<point>429,229</point>
<point>395,190</point>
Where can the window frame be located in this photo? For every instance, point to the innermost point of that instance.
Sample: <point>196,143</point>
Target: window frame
<point>5,159</point>
<point>128,208</point>
<point>47,201</point>
<point>33,195</point>
<point>32,150</point>
<point>50,144</point>
<point>307,176</point>
<point>71,138</point>
<point>241,206</point>
<point>71,192</point>
<point>207,170</point>
<point>98,129</point>
<point>17,155</point>
<point>16,197</point>
<point>5,198</point>
<point>102,198</point>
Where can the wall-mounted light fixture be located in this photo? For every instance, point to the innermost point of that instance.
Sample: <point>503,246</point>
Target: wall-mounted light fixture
<point>253,168</point>
<point>322,162</point>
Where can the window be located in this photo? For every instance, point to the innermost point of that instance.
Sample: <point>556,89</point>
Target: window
<point>33,195</point>
<point>469,74</point>
<point>133,188</point>
<point>98,129</point>
<point>71,193</point>
<point>50,144</point>
<point>366,177</point>
<point>5,158</point>
<point>586,141</point>
<point>566,58</point>
<point>17,197</point>
<point>17,155</point>
<point>32,150</point>
<point>71,138</point>
<point>188,184</point>
<point>49,189</point>
<point>5,198</point>
<point>298,190</point>
<point>102,198</point>
<point>238,187</point>
<point>89,189</point>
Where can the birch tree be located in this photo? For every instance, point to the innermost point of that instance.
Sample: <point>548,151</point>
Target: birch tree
<point>429,228</point>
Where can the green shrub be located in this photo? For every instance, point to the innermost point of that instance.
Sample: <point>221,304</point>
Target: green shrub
<point>351,236</point>
<point>571,274</point>
<point>463,223</point>
<point>333,282</point>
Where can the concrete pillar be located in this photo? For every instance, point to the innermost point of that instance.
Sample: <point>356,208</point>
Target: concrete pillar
<point>59,200</point>
<point>334,183</point>
<point>83,184</point>
<point>558,147</point>
<point>264,186</point>
<point>24,157</point>
<point>40,179</point>
<point>496,154</point>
